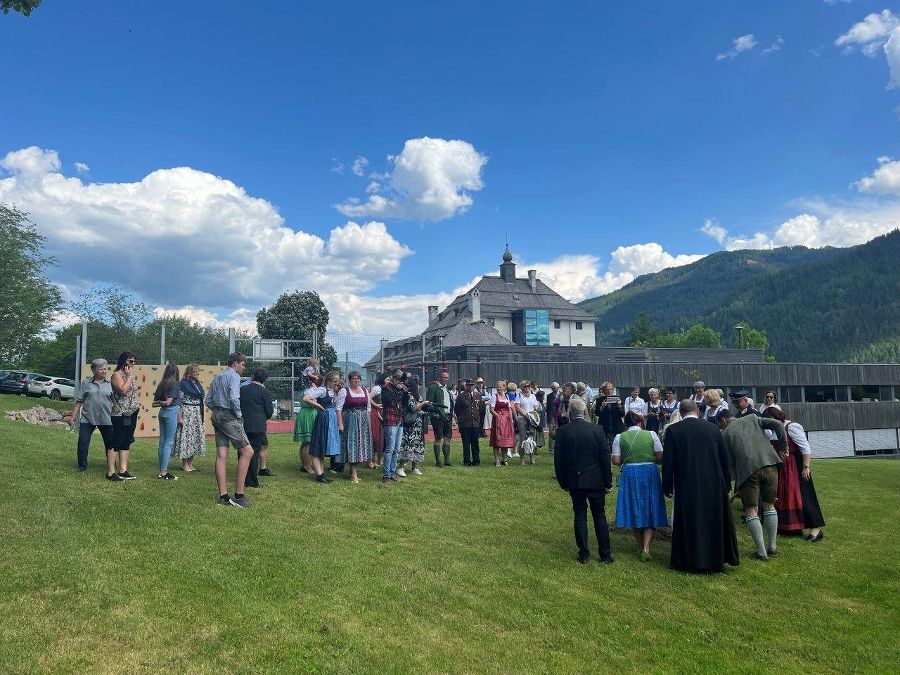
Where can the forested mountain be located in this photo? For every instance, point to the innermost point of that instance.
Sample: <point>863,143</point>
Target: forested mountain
<point>829,304</point>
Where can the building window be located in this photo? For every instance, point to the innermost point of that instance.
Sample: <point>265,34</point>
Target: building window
<point>791,395</point>
<point>556,344</point>
<point>864,392</point>
<point>579,345</point>
<point>537,327</point>
<point>577,325</point>
<point>556,325</point>
<point>821,394</point>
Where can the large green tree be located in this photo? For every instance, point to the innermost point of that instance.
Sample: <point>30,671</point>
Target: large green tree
<point>28,301</point>
<point>25,7</point>
<point>294,316</point>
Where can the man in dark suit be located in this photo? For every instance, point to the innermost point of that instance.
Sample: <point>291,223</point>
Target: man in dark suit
<point>582,463</point>
<point>696,470</point>
<point>257,408</point>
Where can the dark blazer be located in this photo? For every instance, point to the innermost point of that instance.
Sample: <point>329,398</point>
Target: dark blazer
<point>256,406</point>
<point>468,409</point>
<point>581,457</point>
<point>609,416</point>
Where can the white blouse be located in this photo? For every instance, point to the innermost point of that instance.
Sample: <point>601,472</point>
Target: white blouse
<point>637,405</point>
<point>617,448</point>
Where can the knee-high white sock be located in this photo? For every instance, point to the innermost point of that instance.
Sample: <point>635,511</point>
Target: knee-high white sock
<point>770,521</point>
<point>756,531</point>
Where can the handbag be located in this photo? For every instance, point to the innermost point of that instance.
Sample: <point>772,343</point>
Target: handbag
<point>411,414</point>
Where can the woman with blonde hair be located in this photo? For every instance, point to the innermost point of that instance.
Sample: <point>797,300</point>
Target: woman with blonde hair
<point>714,404</point>
<point>503,437</point>
<point>190,439</point>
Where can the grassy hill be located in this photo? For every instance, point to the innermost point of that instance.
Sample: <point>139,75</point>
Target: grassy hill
<point>814,304</point>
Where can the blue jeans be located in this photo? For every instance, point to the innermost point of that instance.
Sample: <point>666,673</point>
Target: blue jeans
<point>168,424</point>
<point>392,438</point>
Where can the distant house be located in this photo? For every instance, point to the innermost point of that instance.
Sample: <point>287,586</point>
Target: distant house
<point>498,310</point>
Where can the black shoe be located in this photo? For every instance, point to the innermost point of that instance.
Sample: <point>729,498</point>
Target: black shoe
<point>467,463</point>
<point>224,500</point>
<point>584,560</point>
<point>811,539</point>
<point>608,561</point>
<point>256,486</point>
<point>447,464</point>
<point>772,552</point>
<point>81,468</point>
<point>124,475</point>
<point>241,502</point>
<point>167,476</point>
<point>114,477</point>
<point>321,478</point>
<point>756,556</point>
<point>265,472</point>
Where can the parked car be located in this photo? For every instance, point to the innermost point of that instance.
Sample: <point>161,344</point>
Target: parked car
<point>16,382</point>
<point>57,388</point>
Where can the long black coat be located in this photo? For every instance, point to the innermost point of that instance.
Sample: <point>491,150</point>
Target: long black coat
<point>581,457</point>
<point>256,407</point>
<point>695,468</point>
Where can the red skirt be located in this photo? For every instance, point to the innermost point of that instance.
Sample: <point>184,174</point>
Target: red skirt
<point>502,433</point>
<point>377,434</point>
<point>789,503</point>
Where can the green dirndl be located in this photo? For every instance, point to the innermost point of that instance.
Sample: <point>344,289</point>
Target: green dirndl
<point>303,423</point>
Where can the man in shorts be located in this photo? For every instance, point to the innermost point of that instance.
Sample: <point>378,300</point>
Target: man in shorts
<point>441,417</point>
<point>756,462</point>
<point>224,400</point>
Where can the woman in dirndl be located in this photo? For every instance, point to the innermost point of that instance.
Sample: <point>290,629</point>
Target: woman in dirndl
<point>325,439</point>
<point>353,408</point>
<point>797,503</point>
<point>503,435</point>
<point>306,417</point>
<point>640,503</point>
<point>412,447</point>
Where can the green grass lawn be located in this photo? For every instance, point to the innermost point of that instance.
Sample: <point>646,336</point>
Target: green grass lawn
<point>459,570</point>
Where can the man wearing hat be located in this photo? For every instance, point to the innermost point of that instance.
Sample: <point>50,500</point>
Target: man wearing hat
<point>468,409</point>
<point>93,410</point>
<point>743,404</point>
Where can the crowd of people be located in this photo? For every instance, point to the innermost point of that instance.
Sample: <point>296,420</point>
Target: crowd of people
<point>710,452</point>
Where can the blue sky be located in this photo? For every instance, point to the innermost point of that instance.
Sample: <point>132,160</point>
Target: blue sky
<point>600,138</point>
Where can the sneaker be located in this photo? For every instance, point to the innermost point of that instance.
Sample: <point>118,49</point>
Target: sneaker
<point>264,472</point>
<point>167,476</point>
<point>241,502</point>
<point>114,477</point>
<point>224,500</point>
<point>416,472</point>
<point>401,472</point>
<point>124,475</point>
<point>322,478</point>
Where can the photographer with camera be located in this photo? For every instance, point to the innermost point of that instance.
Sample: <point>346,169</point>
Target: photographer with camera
<point>392,401</point>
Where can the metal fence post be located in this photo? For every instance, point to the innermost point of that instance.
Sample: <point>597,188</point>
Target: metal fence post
<point>315,343</point>
<point>383,343</point>
<point>84,336</point>
<point>231,341</point>
<point>78,358</point>
<point>162,343</point>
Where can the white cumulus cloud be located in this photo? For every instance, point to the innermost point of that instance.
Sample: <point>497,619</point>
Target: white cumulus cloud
<point>430,180</point>
<point>871,33</point>
<point>81,167</point>
<point>359,165</point>
<point>884,180</point>
<point>892,53</point>
<point>186,238</point>
<point>738,45</point>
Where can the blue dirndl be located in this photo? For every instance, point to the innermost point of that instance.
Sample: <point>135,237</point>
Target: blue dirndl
<point>326,440</point>
<point>640,502</point>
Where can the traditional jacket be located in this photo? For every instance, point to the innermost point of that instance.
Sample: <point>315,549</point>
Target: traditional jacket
<point>748,447</point>
<point>435,394</point>
<point>468,409</point>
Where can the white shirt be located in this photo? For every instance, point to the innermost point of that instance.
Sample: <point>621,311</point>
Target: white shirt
<point>527,402</point>
<point>617,448</point>
<point>798,435</point>
<point>637,405</point>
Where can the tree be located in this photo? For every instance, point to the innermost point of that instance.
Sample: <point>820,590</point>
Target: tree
<point>295,316</point>
<point>699,336</point>
<point>28,301</point>
<point>113,306</point>
<point>641,332</point>
<point>25,7</point>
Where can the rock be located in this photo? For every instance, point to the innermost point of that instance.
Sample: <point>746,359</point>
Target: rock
<point>52,415</point>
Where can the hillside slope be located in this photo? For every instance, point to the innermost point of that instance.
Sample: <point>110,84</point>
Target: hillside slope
<point>814,304</point>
